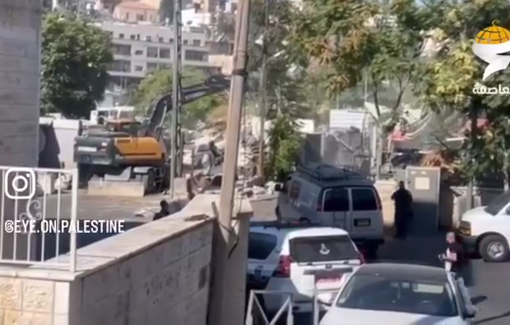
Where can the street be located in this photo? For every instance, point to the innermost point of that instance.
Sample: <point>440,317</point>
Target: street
<point>488,283</point>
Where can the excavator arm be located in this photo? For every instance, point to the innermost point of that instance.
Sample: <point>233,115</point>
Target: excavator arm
<point>163,104</point>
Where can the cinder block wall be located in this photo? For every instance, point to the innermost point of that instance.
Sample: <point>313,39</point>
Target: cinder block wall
<point>166,283</point>
<point>158,273</point>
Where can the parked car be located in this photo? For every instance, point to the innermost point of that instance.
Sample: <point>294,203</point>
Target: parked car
<point>335,197</point>
<point>400,294</point>
<point>284,257</point>
<point>486,230</point>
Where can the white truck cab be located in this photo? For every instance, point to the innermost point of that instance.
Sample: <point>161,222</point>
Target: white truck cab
<point>486,230</point>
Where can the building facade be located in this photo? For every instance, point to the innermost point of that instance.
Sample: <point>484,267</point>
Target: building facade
<point>142,48</point>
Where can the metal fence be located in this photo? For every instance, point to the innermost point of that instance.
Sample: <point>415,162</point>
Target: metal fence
<point>256,314</point>
<point>38,210</point>
<point>349,149</point>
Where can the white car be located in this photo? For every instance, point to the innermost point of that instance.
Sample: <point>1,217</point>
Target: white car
<point>400,294</point>
<point>283,258</point>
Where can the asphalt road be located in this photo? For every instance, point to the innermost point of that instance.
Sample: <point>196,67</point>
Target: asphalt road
<point>488,284</point>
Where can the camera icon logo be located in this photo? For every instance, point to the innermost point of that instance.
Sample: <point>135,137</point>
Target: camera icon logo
<point>19,183</point>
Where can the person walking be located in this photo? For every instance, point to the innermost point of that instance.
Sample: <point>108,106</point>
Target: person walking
<point>403,209</point>
<point>454,260</point>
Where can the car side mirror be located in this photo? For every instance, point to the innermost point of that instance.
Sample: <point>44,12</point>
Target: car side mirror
<point>470,312</point>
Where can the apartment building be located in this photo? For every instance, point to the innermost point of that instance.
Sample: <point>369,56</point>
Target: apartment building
<point>142,48</point>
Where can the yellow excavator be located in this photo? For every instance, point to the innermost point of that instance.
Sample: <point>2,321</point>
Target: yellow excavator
<point>132,152</point>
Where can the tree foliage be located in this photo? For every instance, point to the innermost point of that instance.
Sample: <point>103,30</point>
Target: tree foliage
<point>284,144</point>
<point>160,83</point>
<point>450,76</point>
<point>363,41</point>
<point>75,59</point>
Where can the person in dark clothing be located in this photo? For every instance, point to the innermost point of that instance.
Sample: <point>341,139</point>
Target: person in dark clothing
<point>454,256</point>
<point>165,210</point>
<point>454,261</point>
<point>403,209</point>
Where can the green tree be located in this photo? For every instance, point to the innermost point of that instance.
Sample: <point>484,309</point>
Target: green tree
<point>450,76</point>
<point>75,59</point>
<point>361,41</point>
<point>284,144</point>
<point>160,83</point>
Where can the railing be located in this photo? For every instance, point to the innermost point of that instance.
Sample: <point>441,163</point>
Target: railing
<point>38,216</point>
<point>287,307</point>
<point>261,318</point>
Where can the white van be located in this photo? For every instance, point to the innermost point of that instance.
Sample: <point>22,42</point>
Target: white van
<point>334,197</point>
<point>486,230</point>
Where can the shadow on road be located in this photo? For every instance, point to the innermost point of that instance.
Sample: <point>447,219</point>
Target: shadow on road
<point>493,318</point>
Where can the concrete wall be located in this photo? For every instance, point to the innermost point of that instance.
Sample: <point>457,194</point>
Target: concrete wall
<point>19,94</point>
<point>158,273</point>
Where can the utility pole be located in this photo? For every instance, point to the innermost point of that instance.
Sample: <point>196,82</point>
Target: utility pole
<point>263,93</point>
<point>219,308</point>
<point>176,140</point>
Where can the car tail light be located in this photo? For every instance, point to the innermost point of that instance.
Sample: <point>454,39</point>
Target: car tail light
<point>283,268</point>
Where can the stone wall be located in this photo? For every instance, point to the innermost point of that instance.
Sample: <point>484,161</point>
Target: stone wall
<point>157,273</point>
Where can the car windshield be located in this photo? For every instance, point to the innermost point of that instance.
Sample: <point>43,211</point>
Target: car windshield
<point>498,203</point>
<point>374,292</point>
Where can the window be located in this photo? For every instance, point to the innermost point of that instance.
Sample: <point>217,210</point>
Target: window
<point>294,190</point>
<point>363,199</point>
<point>498,203</point>
<point>138,52</point>
<point>171,40</point>
<point>121,36</point>
<point>185,42</point>
<point>120,66</point>
<point>192,55</point>
<point>132,36</point>
<point>260,245</point>
<point>152,67</point>
<point>140,17</point>
<point>161,39</point>
<point>121,49</point>
<point>138,68</point>
<point>405,294</point>
<point>322,249</point>
<point>148,38</point>
<point>111,34</point>
<point>152,52</point>
<point>164,53</point>
<point>336,199</point>
<point>137,37</point>
<point>196,42</point>
<point>163,66</point>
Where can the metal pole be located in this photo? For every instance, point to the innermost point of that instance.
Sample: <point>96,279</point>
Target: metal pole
<point>263,92</point>
<point>176,97</point>
<point>473,116</point>
<point>218,308</point>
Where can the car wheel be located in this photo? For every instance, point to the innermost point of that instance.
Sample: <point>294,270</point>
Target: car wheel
<point>494,248</point>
